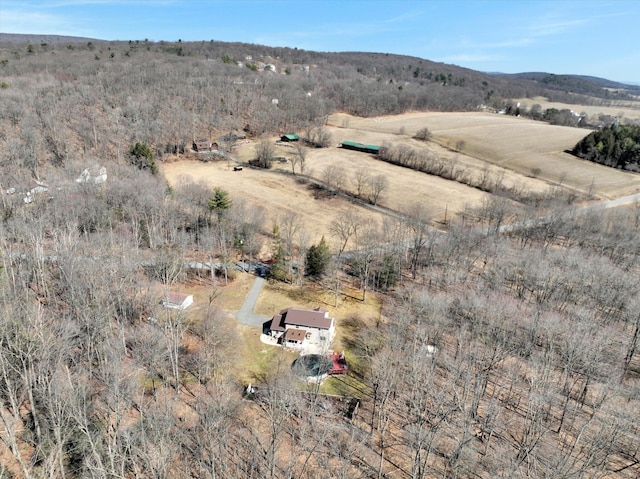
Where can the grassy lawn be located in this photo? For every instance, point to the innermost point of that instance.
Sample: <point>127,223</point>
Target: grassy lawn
<point>346,385</point>
<point>257,360</point>
<point>276,296</point>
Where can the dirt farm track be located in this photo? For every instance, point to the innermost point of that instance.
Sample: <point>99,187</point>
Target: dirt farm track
<point>527,154</point>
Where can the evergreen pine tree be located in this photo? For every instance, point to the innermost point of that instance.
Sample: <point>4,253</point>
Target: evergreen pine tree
<point>318,258</point>
<point>141,156</point>
<point>220,202</point>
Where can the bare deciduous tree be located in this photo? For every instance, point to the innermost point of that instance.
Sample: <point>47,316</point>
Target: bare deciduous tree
<point>423,134</point>
<point>265,153</point>
<point>334,177</point>
<point>378,185</point>
<point>299,159</point>
<point>361,180</point>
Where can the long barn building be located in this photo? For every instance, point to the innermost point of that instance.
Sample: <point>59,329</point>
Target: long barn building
<point>352,145</point>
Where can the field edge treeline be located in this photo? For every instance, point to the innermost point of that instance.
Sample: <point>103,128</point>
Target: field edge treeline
<point>616,145</point>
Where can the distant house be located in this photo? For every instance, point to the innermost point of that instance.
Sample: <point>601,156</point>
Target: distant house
<point>352,145</point>
<point>177,300</point>
<point>35,188</point>
<point>302,328</point>
<point>95,175</point>
<point>288,138</point>
<point>204,145</point>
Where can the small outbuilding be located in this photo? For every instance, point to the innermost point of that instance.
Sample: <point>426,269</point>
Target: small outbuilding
<point>177,300</point>
<point>288,138</point>
<point>204,145</point>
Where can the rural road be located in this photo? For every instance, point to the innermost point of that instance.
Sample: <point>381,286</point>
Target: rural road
<point>627,200</point>
<point>246,315</point>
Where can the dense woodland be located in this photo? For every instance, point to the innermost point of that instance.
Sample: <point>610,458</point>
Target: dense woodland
<point>535,370</point>
<point>66,101</point>
<point>617,146</point>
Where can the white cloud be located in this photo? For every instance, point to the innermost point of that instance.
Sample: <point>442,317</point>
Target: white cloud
<point>544,29</point>
<point>403,17</point>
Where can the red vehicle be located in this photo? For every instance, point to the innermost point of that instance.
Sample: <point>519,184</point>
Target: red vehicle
<point>339,365</point>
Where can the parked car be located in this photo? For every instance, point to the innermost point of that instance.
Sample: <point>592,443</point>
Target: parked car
<point>261,271</point>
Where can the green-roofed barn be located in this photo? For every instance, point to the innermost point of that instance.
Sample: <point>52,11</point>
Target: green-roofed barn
<point>352,145</point>
<point>288,138</point>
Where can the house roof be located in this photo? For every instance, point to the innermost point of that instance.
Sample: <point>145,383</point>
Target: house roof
<point>317,318</point>
<point>276,323</point>
<point>202,144</point>
<point>177,298</point>
<point>295,334</point>
<point>360,146</point>
<point>292,137</point>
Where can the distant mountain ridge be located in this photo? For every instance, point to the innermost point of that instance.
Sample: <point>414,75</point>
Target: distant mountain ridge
<point>577,83</point>
<point>564,83</point>
<point>43,38</point>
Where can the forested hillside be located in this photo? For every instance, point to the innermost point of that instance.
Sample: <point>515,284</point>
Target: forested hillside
<point>579,84</point>
<point>67,100</point>
<point>493,352</point>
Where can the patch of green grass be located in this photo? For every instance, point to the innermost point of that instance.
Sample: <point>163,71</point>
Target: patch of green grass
<point>259,360</point>
<point>346,385</point>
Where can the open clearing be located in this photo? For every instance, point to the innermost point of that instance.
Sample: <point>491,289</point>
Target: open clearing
<point>529,156</point>
<point>277,194</point>
<point>625,108</point>
<point>521,145</point>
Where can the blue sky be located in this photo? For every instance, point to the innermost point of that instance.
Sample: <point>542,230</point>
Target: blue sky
<point>589,37</point>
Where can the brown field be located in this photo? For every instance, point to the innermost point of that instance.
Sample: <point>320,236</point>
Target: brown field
<point>623,108</point>
<point>520,145</point>
<point>276,193</point>
<point>408,186</point>
<point>530,155</point>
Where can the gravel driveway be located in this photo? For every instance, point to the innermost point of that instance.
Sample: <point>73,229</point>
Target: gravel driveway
<point>246,315</point>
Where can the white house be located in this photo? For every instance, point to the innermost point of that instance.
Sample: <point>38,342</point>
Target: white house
<point>96,175</point>
<point>302,329</point>
<point>39,188</point>
<point>177,300</point>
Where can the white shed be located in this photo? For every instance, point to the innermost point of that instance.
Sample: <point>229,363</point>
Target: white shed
<point>177,300</point>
